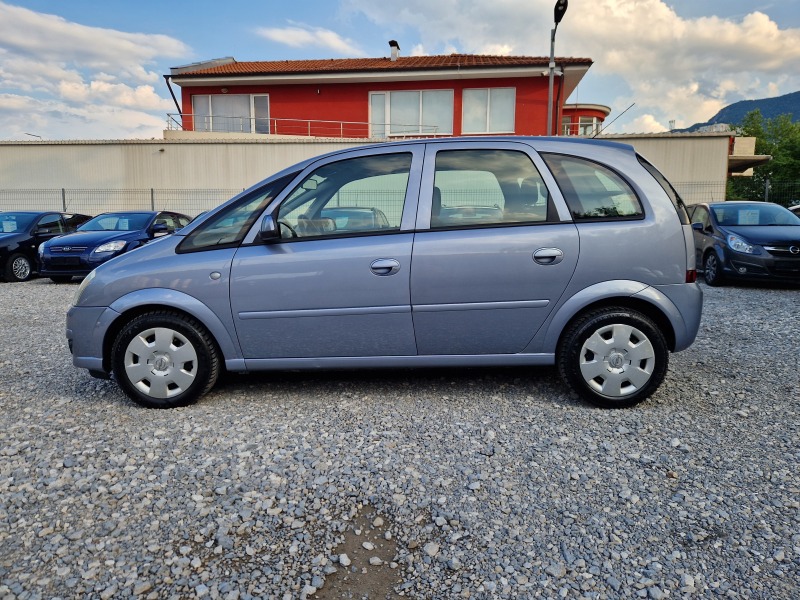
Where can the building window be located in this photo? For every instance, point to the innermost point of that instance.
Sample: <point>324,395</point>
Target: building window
<point>231,113</point>
<point>585,126</point>
<point>427,112</point>
<point>488,110</point>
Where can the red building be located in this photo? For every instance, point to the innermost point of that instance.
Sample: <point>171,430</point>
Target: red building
<point>395,96</point>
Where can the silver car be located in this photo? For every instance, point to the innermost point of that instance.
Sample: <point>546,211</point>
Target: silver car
<point>585,262</point>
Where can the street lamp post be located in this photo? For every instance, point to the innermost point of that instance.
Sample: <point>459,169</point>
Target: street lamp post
<point>558,14</point>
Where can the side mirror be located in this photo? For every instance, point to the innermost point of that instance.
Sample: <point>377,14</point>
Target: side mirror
<point>160,229</point>
<point>269,231</point>
<point>697,226</point>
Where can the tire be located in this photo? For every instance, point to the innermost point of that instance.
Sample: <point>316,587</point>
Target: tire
<point>18,268</point>
<point>712,270</point>
<point>61,278</point>
<point>613,357</point>
<point>163,359</point>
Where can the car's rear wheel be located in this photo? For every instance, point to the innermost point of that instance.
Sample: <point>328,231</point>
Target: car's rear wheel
<point>712,270</point>
<point>18,268</point>
<point>613,357</point>
<point>163,359</point>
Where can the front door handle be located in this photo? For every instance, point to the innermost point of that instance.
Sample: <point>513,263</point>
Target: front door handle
<point>385,266</point>
<point>548,256</point>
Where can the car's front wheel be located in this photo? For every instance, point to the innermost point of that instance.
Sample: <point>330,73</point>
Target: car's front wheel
<point>712,270</point>
<point>163,359</point>
<point>18,268</point>
<point>613,357</point>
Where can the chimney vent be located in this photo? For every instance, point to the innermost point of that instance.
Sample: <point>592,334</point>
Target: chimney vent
<point>395,49</point>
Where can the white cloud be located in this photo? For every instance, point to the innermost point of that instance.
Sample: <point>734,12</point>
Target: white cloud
<point>77,81</point>
<point>298,35</point>
<point>675,67</point>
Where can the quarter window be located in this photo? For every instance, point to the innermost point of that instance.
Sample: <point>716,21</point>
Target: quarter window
<point>593,191</point>
<point>487,187</point>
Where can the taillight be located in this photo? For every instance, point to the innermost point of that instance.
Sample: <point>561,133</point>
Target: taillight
<point>691,276</point>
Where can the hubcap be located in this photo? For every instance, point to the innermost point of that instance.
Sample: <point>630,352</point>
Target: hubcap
<point>617,360</point>
<point>161,362</point>
<point>21,268</point>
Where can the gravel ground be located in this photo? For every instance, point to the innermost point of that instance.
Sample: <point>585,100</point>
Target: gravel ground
<point>470,483</point>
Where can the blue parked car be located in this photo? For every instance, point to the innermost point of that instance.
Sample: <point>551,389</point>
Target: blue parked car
<point>101,239</point>
<point>585,261</point>
<point>756,241</point>
<point>22,232</point>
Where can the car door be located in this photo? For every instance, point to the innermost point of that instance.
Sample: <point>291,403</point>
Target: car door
<point>485,284</point>
<point>46,228</point>
<point>321,291</point>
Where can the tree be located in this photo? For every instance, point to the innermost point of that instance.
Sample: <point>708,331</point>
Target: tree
<point>780,138</point>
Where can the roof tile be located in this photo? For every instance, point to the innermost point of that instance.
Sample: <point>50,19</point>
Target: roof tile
<point>403,63</point>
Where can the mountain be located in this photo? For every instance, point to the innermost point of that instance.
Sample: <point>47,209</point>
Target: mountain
<point>769,107</point>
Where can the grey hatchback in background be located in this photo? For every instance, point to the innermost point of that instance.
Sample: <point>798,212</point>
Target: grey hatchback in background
<point>428,253</point>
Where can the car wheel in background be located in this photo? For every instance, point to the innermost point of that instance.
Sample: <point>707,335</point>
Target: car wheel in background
<point>163,359</point>
<point>18,268</point>
<point>712,270</point>
<point>613,357</point>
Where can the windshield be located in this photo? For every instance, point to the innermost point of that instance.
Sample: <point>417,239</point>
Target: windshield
<point>13,222</point>
<point>117,222</point>
<point>754,213</point>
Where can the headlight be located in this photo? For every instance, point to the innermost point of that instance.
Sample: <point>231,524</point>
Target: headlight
<point>41,249</point>
<point>86,281</point>
<point>110,247</point>
<point>739,245</point>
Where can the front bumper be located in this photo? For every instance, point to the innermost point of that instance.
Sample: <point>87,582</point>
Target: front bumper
<point>764,267</point>
<point>86,331</point>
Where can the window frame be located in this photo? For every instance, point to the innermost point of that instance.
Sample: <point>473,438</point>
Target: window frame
<point>387,112</point>
<point>488,112</point>
<point>251,118</point>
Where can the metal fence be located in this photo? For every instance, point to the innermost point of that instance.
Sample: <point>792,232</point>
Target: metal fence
<point>92,202</point>
<point>192,202</point>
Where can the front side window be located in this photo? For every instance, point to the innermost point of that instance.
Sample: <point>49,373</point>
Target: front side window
<point>52,223</point>
<point>427,112</point>
<point>228,227</point>
<point>593,191</point>
<point>487,187</point>
<point>353,196</point>
<point>488,110</point>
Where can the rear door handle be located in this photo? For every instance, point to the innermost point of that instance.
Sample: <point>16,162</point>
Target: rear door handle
<point>385,266</point>
<point>548,256</point>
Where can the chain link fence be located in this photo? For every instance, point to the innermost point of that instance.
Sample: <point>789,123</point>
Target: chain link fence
<point>193,202</point>
<point>93,202</point>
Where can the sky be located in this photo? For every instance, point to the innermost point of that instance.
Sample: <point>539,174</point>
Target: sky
<point>82,69</point>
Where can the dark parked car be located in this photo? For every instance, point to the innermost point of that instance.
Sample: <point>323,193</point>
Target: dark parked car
<point>563,272</point>
<point>104,237</point>
<point>21,233</point>
<point>746,240</point>
<point>795,209</point>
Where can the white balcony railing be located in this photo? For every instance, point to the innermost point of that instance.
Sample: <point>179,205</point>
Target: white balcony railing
<point>296,127</point>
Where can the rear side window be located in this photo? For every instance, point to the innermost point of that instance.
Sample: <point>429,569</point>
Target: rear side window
<point>677,201</point>
<point>487,187</point>
<point>593,191</point>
